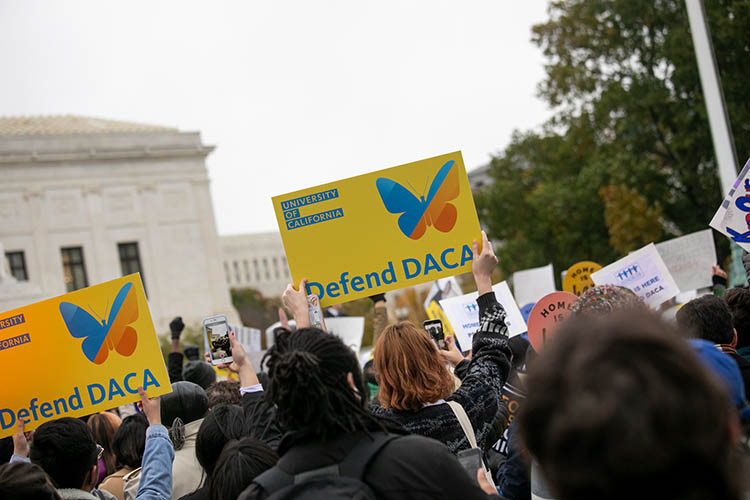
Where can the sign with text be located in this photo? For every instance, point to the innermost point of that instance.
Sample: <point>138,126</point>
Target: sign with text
<point>79,353</point>
<point>380,231</point>
<point>577,279</point>
<point>689,259</point>
<point>733,216</point>
<point>546,316</point>
<point>643,272</point>
<point>463,313</point>
<point>531,285</point>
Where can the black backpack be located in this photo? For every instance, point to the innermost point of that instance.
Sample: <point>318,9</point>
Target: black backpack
<point>341,480</point>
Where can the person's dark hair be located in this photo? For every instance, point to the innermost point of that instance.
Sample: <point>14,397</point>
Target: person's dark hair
<point>369,372</point>
<point>239,463</point>
<point>129,441</point>
<point>66,450</point>
<point>738,300</point>
<point>309,370</point>
<point>187,401</point>
<point>610,404</point>
<point>708,318</point>
<point>225,392</point>
<point>104,425</point>
<point>222,424</point>
<point>27,481</point>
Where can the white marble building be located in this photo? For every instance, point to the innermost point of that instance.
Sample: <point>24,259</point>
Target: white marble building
<point>255,261</point>
<point>85,200</point>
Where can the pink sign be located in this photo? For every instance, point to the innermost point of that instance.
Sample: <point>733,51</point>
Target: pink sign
<point>547,314</point>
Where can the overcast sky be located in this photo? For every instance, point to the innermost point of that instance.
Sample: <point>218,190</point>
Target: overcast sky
<point>292,93</point>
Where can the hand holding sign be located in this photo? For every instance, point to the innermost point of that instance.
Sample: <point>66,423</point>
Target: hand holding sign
<point>151,407</point>
<point>296,301</point>
<point>483,264</point>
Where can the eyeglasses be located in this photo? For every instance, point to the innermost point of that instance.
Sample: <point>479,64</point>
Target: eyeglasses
<point>99,451</point>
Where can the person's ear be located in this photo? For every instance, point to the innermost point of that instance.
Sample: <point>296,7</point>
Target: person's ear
<point>350,379</point>
<point>93,475</point>
<point>734,338</point>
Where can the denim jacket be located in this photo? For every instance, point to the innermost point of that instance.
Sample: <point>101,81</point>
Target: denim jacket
<point>156,471</point>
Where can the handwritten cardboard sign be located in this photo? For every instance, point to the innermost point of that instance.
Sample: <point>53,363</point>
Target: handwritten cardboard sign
<point>547,315</point>
<point>577,278</point>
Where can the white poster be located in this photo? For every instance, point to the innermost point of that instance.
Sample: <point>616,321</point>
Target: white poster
<point>270,329</point>
<point>349,329</point>
<point>443,288</point>
<point>531,285</point>
<point>733,216</point>
<point>644,272</point>
<point>248,337</point>
<point>463,313</point>
<point>689,259</point>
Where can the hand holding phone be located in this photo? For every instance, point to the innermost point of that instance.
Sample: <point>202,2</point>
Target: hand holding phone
<point>216,331</point>
<point>434,328</point>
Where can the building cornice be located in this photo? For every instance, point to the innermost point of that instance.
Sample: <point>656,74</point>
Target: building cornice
<point>200,151</point>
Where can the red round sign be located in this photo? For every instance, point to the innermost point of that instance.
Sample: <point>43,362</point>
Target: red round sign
<point>547,314</point>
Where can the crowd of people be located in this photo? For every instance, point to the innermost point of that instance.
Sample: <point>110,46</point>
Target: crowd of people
<point>621,404</point>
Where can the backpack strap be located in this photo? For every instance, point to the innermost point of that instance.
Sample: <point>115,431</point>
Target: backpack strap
<point>353,465</point>
<point>356,461</point>
<point>273,479</point>
<point>463,419</point>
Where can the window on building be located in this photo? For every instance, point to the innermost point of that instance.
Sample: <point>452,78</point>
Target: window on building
<point>236,267</point>
<point>17,265</point>
<point>74,269</point>
<point>257,269</point>
<point>285,266</point>
<point>247,270</point>
<point>276,268</point>
<point>226,272</point>
<point>266,271</point>
<point>130,260</point>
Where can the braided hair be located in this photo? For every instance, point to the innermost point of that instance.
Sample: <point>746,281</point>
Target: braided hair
<point>309,370</point>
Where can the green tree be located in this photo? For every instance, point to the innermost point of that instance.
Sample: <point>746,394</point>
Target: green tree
<point>623,79</point>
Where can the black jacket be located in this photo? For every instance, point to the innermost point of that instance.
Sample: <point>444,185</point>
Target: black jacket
<point>409,467</point>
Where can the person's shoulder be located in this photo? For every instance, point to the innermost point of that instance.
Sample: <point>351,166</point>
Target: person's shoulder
<point>413,445</point>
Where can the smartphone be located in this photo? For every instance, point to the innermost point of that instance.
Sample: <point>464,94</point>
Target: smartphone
<point>471,461</point>
<point>216,331</point>
<point>434,327</point>
<point>314,311</point>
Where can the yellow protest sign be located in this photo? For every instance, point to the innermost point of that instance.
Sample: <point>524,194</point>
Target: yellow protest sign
<point>578,278</point>
<point>434,311</point>
<point>380,231</point>
<point>79,353</point>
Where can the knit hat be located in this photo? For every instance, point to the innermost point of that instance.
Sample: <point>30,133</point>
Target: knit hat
<point>199,372</point>
<point>726,368</point>
<point>605,299</point>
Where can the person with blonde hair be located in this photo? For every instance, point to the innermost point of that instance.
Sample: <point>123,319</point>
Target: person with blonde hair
<point>417,390</point>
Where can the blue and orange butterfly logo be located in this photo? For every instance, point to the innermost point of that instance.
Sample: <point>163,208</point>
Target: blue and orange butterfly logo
<point>418,213</point>
<point>114,333</point>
